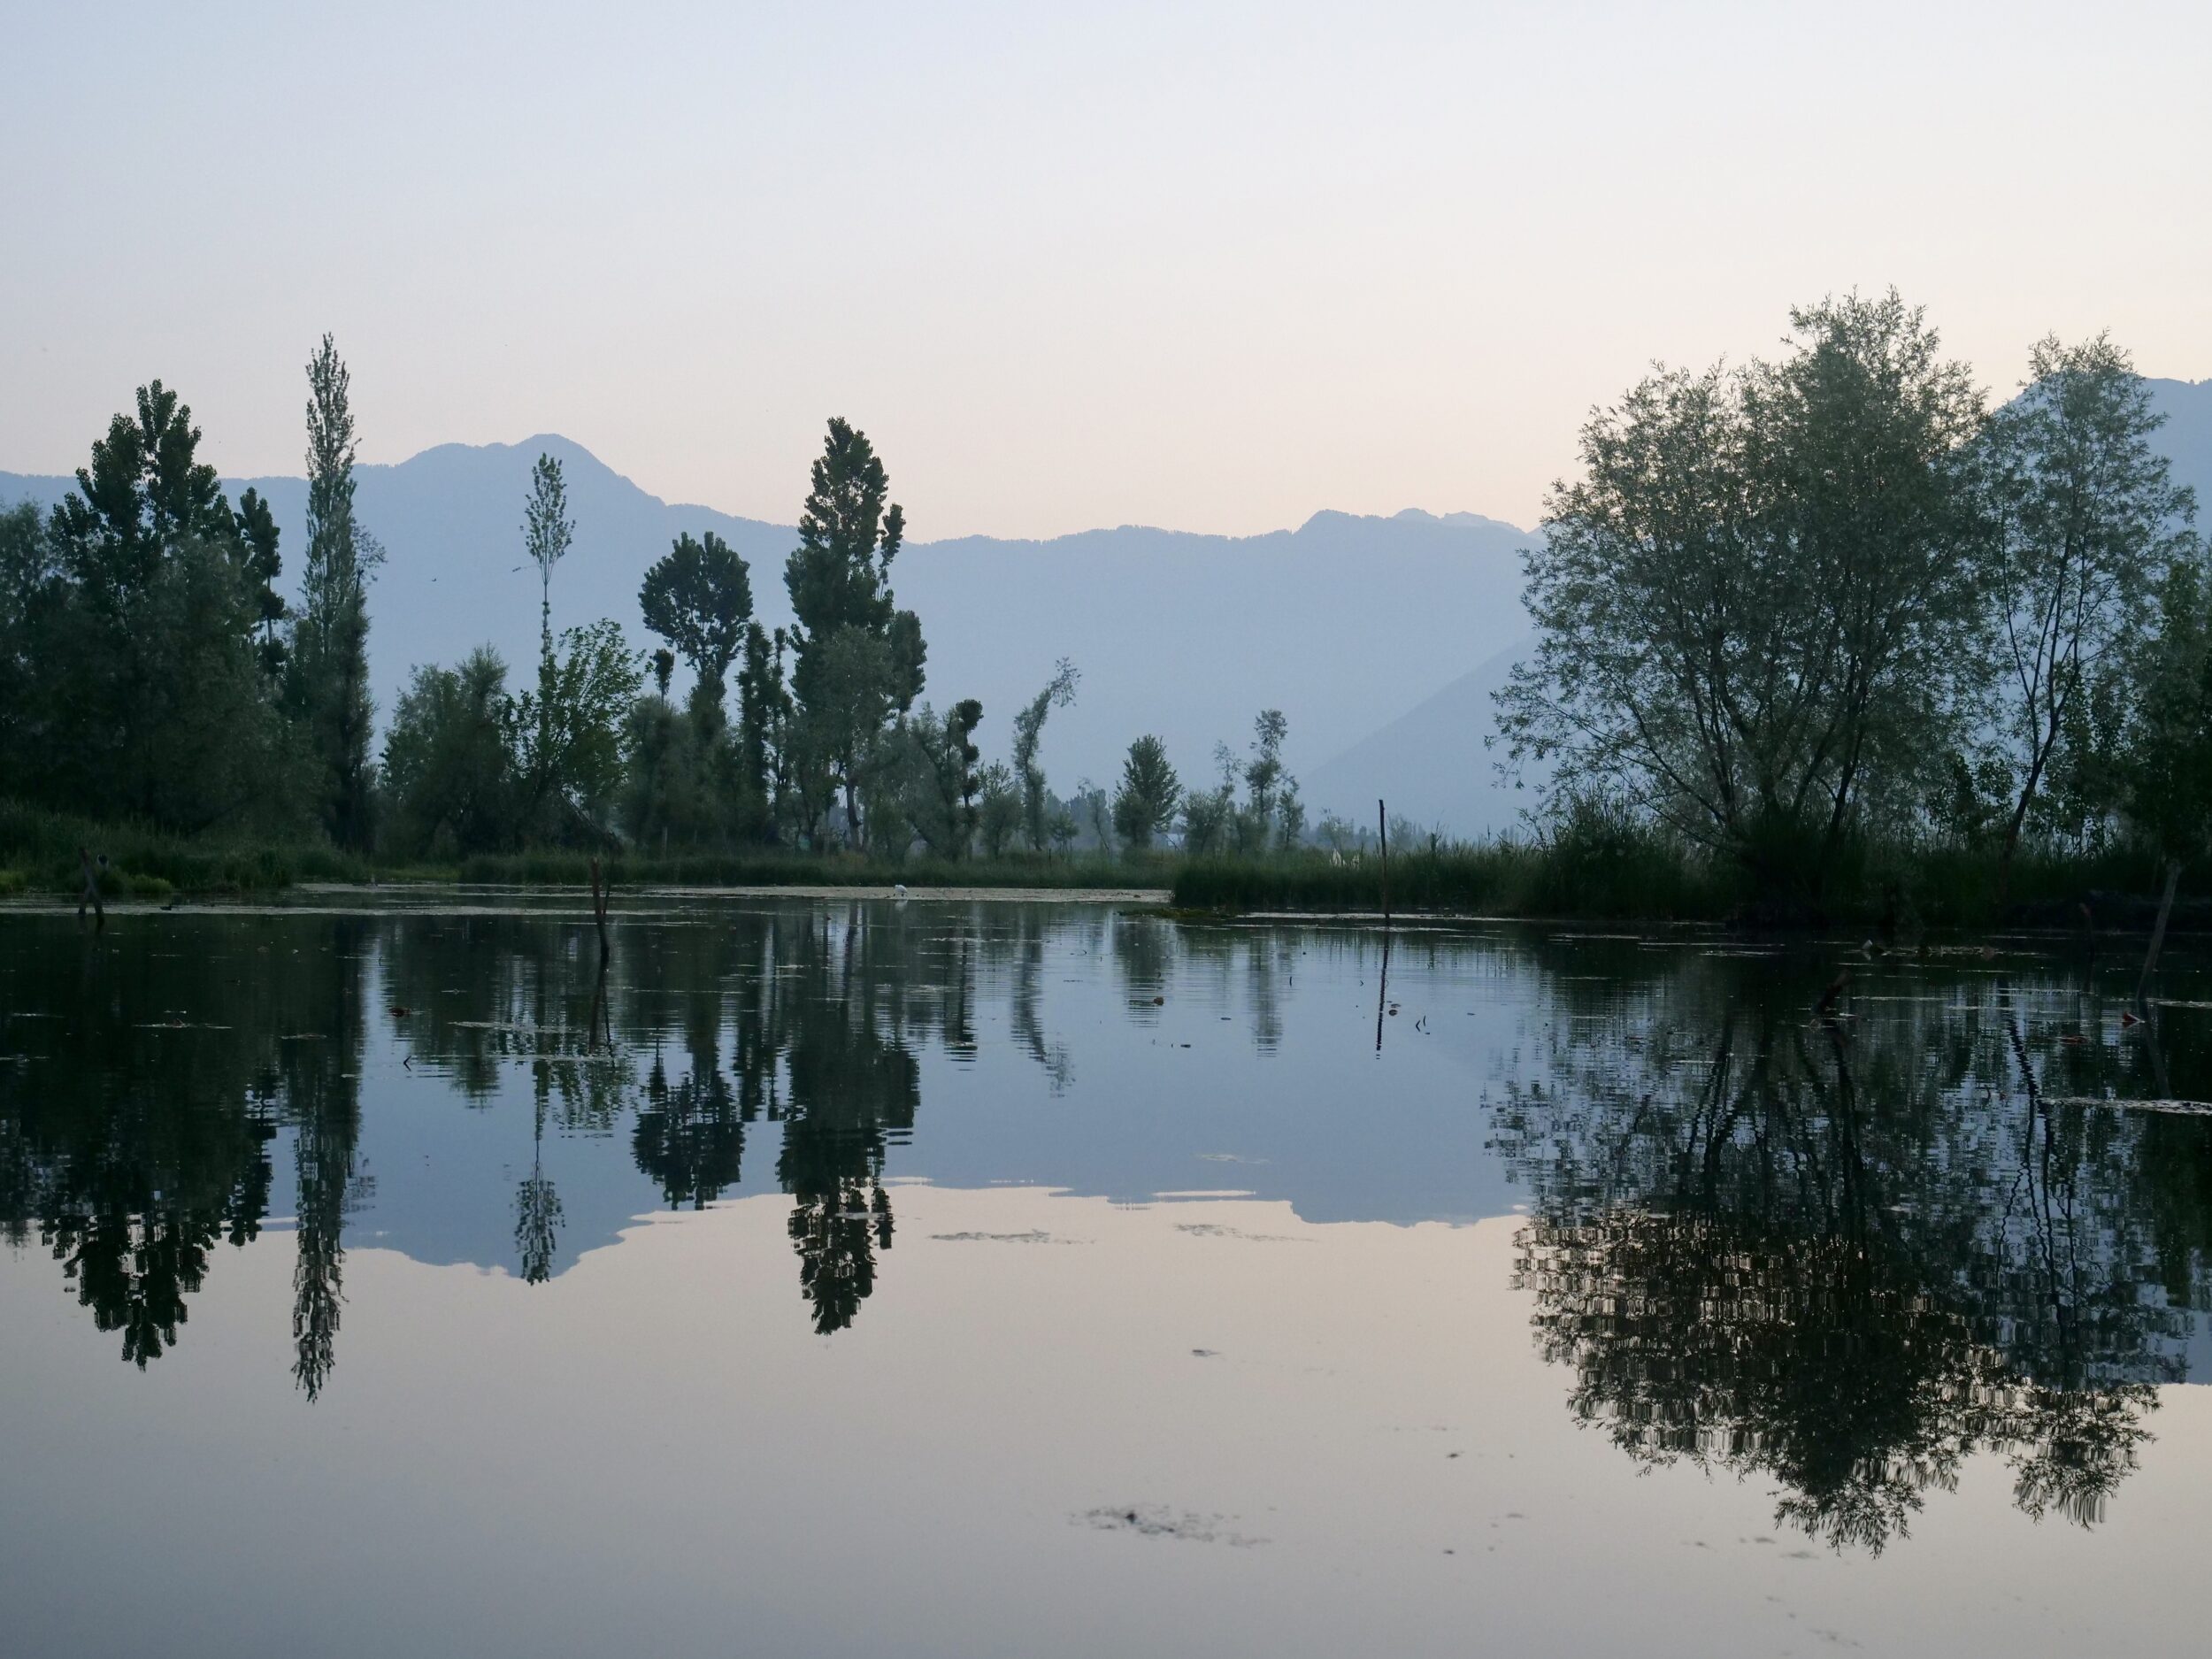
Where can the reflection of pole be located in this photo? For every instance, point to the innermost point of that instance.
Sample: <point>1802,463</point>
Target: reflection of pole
<point>599,909</point>
<point>1382,992</point>
<point>2158,934</point>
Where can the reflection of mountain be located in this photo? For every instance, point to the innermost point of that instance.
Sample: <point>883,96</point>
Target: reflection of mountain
<point>1847,1261</point>
<point>1724,1200</point>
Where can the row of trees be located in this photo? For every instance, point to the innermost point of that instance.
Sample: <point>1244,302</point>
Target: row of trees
<point>148,667</point>
<point>151,669</point>
<point>1798,603</point>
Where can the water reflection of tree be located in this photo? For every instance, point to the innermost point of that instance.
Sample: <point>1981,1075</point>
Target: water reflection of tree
<point>323,1101</point>
<point>134,1126</point>
<point>1848,1262</point>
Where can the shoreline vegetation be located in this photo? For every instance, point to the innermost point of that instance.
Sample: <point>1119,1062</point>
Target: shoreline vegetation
<point>1827,640</point>
<point>1627,876</point>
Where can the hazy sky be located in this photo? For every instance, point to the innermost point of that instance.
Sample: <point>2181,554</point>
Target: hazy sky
<point>1206,267</point>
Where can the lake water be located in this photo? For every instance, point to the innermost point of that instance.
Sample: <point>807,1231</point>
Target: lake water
<point>847,1277</point>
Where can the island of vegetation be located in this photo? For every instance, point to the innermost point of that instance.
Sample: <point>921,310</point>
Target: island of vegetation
<point>1822,637</point>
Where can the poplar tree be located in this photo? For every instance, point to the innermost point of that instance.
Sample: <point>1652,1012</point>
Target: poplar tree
<point>330,655</point>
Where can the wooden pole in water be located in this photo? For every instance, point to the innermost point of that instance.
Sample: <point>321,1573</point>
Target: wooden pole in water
<point>599,909</point>
<point>1382,830</point>
<point>2158,933</point>
<point>91,889</point>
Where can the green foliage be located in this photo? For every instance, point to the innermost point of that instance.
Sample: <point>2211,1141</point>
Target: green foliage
<point>38,848</point>
<point>548,532</point>
<point>328,685</point>
<point>1145,803</point>
<point>2167,769</point>
<point>999,810</point>
<point>2084,516</point>
<point>858,659</point>
<point>141,640</point>
<point>1760,610</point>
<point>449,780</point>
<point>930,778</point>
<point>567,736</point>
<point>699,597</point>
<point>1029,727</point>
<point>1599,864</point>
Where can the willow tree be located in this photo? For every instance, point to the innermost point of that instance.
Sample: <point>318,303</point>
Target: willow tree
<point>2087,519</point>
<point>1758,610</point>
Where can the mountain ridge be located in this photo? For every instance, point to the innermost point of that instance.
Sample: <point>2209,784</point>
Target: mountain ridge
<point>1380,636</point>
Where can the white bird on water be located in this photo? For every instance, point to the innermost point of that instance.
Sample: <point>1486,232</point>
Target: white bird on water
<point>898,889</point>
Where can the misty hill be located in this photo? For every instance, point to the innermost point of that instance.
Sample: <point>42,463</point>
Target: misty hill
<point>1380,638</point>
<point>1342,623</point>
<point>1430,763</point>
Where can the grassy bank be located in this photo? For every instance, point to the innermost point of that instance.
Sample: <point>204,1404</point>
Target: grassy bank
<point>1610,872</point>
<point>38,854</point>
<point>561,868</point>
<point>1645,878</point>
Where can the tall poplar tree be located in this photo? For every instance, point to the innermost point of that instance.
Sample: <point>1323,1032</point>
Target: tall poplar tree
<point>330,654</point>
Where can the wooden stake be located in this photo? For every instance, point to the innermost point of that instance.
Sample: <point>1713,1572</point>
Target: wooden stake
<point>599,910</point>
<point>1382,829</point>
<point>91,890</point>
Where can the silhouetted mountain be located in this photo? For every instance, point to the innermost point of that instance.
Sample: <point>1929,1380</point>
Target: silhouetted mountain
<point>1430,764</point>
<point>1363,630</point>
<point>1339,622</point>
<point>2187,437</point>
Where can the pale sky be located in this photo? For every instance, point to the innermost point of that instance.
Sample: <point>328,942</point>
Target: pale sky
<point>1211,267</point>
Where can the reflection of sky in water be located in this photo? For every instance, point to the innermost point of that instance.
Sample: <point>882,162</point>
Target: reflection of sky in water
<point>1139,1335</point>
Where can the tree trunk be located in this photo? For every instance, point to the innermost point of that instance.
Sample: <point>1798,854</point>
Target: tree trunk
<point>2158,930</point>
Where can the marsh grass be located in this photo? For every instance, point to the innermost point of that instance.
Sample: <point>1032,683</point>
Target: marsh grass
<point>1614,870</point>
<point>39,849</point>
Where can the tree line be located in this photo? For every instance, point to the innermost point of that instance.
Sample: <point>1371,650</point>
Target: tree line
<point>1800,606</point>
<point>151,670</point>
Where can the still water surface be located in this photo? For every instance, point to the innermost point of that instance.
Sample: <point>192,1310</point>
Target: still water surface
<point>1024,1279</point>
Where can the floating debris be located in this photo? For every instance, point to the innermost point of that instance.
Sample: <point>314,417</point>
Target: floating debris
<point>1154,1521</point>
<point>2181,1108</point>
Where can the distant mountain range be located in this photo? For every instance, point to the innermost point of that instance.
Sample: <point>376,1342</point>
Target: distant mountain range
<point>1380,638</point>
<point>1342,623</point>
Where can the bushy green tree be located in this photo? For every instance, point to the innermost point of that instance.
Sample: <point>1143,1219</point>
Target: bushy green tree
<point>1762,610</point>
<point>29,590</point>
<point>1210,815</point>
<point>1144,805</point>
<point>858,659</point>
<point>2166,769</point>
<point>699,597</point>
<point>999,812</point>
<point>158,704</point>
<point>931,777</point>
<point>689,781</point>
<point>448,775</point>
<point>567,736</point>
